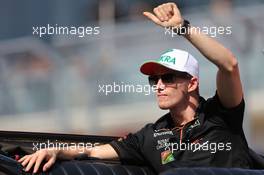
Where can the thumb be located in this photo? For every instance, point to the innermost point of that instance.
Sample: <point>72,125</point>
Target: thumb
<point>152,17</point>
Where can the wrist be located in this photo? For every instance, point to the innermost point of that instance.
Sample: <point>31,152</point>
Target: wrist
<point>58,152</point>
<point>91,152</point>
<point>183,29</point>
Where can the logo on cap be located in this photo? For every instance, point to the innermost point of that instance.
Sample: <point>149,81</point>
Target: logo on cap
<point>167,59</point>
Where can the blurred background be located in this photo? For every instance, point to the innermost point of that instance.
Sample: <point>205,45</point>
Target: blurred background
<point>51,83</point>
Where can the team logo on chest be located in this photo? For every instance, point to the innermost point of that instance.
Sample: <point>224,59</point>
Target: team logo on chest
<point>161,133</point>
<point>163,143</point>
<point>166,157</point>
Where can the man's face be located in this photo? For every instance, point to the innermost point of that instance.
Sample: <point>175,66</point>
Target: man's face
<point>171,93</point>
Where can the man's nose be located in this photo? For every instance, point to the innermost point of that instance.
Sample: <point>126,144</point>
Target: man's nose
<point>160,85</point>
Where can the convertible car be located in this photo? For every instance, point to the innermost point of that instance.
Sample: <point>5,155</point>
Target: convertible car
<point>14,145</point>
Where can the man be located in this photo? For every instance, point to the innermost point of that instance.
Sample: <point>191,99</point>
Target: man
<point>196,132</point>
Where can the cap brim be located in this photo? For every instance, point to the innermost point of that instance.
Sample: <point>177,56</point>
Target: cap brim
<point>153,67</point>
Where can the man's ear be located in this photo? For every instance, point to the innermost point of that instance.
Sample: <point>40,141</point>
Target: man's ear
<point>193,84</point>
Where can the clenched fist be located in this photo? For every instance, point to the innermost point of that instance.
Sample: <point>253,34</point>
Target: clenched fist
<point>166,15</point>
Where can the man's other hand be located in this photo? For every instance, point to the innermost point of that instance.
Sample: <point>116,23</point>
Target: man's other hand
<point>36,159</point>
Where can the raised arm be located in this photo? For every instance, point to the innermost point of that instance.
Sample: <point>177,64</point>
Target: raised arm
<point>229,86</point>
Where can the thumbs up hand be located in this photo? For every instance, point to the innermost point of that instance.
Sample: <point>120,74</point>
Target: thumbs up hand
<point>166,15</point>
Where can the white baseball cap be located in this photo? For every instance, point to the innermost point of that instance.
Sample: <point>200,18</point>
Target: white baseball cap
<point>175,59</point>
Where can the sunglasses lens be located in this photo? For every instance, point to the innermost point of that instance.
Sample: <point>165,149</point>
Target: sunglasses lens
<point>153,80</point>
<point>167,78</point>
